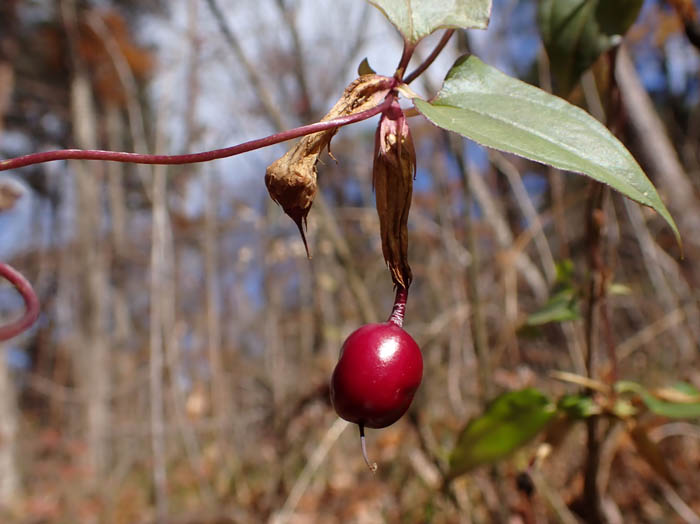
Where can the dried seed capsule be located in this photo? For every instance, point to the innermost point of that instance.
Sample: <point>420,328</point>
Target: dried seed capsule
<point>291,180</point>
<point>392,176</point>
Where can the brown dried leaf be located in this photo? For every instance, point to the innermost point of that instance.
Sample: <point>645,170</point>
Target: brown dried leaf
<point>291,180</point>
<point>393,173</point>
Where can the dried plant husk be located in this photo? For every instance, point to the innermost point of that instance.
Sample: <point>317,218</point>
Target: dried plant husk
<point>291,180</point>
<point>392,176</point>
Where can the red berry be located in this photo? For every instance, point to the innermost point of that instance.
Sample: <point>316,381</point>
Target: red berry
<point>379,370</point>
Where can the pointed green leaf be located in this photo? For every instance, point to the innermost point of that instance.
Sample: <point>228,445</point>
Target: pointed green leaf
<point>660,407</point>
<point>508,423</point>
<point>576,32</point>
<point>418,18</point>
<point>689,390</point>
<point>578,406</point>
<point>498,111</point>
<point>561,307</point>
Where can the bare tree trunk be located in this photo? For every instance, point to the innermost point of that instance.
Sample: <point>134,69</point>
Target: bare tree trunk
<point>159,267</point>
<point>9,473</point>
<point>117,196</point>
<point>94,368</point>
<point>213,300</point>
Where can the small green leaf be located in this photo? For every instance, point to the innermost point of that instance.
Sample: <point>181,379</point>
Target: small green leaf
<point>565,272</point>
<point>623,408</point>
<point>686,389</point>
<point>498,111</point>
<point>576,32</point>
<point>416,19</point>
<point>578,406</point>
<point>364,68</point>
<point>658,406</point>
<point>509,422</point>
<point>561,307</point>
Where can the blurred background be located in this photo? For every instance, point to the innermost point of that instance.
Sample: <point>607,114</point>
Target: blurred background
<point>179,369</point>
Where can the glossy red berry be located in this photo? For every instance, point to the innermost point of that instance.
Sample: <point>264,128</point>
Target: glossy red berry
<point>379,370</point>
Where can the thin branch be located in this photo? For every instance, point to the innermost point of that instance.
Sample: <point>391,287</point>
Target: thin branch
<point>136,158</point>
<point>358,43</point>
<point>431,58</point>
<point>30,300</point>
<point>304,479</point>
<point>299,58</point>
<point>256,81</point>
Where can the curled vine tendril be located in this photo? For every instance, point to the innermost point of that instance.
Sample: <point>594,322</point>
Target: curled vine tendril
<point>30,300</point>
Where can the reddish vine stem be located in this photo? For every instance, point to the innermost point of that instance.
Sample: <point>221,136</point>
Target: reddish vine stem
<point>408,50</point>
<point>30,300</point>
<point>399,309</point>
<point>135,158</point>
<point>431,57</point>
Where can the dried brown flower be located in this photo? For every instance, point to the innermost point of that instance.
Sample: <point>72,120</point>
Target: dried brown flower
<point>392,176</point>
<point>291,180</point>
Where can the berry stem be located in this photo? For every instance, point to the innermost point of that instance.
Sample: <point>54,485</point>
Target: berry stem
<point>371,465</point>
<point>30,300</point>
<point>135,158</point>
<point>431,58</point>
<point>399,310</point>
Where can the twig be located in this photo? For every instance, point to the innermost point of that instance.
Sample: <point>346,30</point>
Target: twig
<point>271,108</point>
<point>655,144</point>
<point>675,429</point>
<point>135,117</point>
<point>591,494</point>
<point>479,322</point>
<point>651,331</point>
<point>302,482</point>
<point>677,503</point>
<point>300,69</point>
<point>528,210</point>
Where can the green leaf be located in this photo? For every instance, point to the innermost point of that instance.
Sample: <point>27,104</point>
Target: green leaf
<point>578,406</point>
<point>686,389</point>
<point>498,111</point>
<point>509,422</point>
<point>565,272</point>
<point>576,32</point>
<point>416,19</point>
<point>658,406</point>
<point>561,307</point>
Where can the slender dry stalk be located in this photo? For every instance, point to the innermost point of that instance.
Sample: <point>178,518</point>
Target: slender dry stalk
<point>158,269</point>
<point>10,481</point>
<point>272,111</point>
<point>160,301</point>
<point>96,367</point>
<point>304,479</point>
<point>221,407</point>
<point>115,180</point>
<point>136,117</point>
<point>658,150</point>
